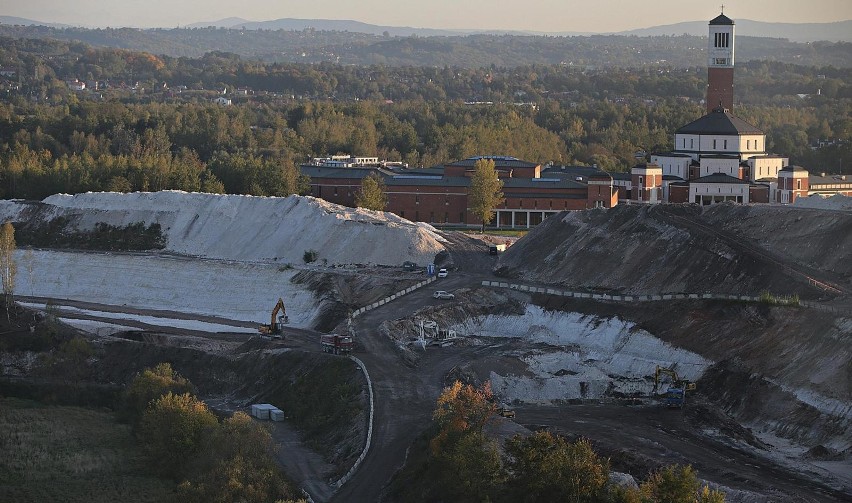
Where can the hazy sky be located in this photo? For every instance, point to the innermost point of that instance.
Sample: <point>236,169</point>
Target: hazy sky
<point>537,15</point>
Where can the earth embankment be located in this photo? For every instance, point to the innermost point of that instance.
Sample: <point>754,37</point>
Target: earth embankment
<point>731,249</point>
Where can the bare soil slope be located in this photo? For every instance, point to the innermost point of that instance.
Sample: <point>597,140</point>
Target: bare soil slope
<point>729,249</point>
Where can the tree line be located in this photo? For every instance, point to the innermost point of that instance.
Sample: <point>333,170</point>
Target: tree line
<point>248,149</point>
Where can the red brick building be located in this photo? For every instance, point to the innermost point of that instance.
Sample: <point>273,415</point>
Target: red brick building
<point>440,195</point>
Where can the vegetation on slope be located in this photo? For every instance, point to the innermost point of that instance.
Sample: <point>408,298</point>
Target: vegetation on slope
<point>56,453</point>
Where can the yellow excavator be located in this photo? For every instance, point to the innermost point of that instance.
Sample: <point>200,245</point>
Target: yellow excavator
<point>676,392</point>
<point>277,322</point>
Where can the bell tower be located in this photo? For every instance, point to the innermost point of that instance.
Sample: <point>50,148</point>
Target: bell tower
<point>720,63</point>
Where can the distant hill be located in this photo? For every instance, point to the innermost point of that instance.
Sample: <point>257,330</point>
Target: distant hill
<point>840,31</point>
<point>329,25</point>
<point>796,32</point>
<point>229,22</point>
<point>28,22</point>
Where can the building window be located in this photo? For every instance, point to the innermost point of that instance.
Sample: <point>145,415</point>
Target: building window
<point>798,185</point>
<point>725,146</point>
<point>446,217</point>
<point>461,217</point>
<point>520,203</point>
<point>335,191</point>
<point>640,180</point>
<point>599,190</point>
<point>748,144</point>
<point>714,144</point>
<point>416,199</point>
<point>691,143</point>
<point>684,142</point>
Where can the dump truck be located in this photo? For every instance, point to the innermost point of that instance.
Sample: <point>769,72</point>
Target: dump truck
<point>336,344</point>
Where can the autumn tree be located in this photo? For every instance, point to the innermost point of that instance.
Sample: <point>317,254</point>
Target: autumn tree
<point>149,385</point>
<point>237,464</point>
<point>8,267</point>
<point>546,467</point>
<point>373,193</point>
<point>172,430</point>
<point>469,464</point>
<point>678,484</point>
<point>486,191</point>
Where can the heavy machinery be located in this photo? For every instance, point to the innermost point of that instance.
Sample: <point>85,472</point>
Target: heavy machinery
<point>336,344</point>
<point>675,395</point>
<point>277,322</point>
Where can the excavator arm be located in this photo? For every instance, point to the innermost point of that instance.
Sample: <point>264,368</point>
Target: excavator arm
<point>279,317</point>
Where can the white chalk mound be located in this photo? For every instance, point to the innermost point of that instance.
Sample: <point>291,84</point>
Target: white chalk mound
<point>257,228</point>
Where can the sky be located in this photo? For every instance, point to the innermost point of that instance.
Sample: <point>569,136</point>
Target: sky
<point>531,15</point>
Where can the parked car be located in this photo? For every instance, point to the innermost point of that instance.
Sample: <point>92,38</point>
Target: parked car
<point>442,273</point>
<point>506,412</point>
<point>410,266</point>
<point>441,294</point>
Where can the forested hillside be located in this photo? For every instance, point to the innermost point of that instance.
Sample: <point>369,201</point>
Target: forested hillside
<point>470,51</point>
<point>147,122</point>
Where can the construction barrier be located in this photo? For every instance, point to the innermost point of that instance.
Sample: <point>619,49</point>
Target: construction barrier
<point>344,479</point>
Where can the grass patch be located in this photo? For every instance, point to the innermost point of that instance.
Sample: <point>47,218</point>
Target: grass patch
<point>776,300</point>
<point>71,454</point>
<point>500,232</point>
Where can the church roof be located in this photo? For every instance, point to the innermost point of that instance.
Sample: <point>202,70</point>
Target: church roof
<point>721,19</point>
<point>721,122</point>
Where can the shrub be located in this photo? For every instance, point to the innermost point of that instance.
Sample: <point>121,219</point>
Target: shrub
<point>310,256</point>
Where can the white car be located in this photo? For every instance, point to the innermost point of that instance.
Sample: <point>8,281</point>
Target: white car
<point>442,273</point>
<point>441,294</point>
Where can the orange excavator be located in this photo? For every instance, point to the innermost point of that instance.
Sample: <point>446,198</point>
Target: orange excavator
<point>675,395</point>
<point>277,322</point>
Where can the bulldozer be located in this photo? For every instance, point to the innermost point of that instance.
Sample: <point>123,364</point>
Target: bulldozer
<point>675,395</point>
<point>277,322</point>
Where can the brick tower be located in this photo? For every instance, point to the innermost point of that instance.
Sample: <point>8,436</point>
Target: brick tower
<point>720,64</point>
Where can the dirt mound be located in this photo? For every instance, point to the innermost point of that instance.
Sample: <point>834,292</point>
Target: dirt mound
<point>730,249</point>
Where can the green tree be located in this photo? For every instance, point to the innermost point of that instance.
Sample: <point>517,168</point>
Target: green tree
<point>149,385</point>
<point>486,191</point>
<point>172,430</point>
<point>373,194</point>
<point>8,267</point>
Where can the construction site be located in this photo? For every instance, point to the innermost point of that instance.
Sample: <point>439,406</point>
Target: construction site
<point>714,336</point>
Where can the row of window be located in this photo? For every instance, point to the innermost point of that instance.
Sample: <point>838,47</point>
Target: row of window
<point>722,40</point>
<point>724,144</point>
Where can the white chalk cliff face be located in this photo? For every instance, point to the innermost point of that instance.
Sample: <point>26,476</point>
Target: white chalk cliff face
<point>588,356</point>
<point>251,228</point>
<point>244,244</point>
